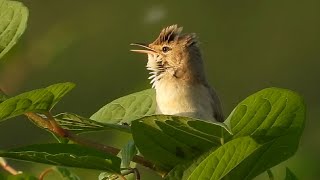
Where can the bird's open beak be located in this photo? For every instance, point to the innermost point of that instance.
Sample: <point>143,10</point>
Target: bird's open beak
<point>147,49</point>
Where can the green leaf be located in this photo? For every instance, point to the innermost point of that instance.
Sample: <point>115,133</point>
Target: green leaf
<point>71,155</point>
<point>273,120</point>
<point>127,108</point>
<point>17,177</point>
<point>40,100</point>
<point>170,140</point>
<point>65,173</point>
<point>219,163</point>
<point>78,124</point>
<point>290,175</point>
<point>127,153</point>
<point>243,158</point>
<point>13,22</point>
<point>269,112</point>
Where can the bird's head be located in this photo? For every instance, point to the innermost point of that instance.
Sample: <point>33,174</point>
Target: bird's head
<point>172,54</point>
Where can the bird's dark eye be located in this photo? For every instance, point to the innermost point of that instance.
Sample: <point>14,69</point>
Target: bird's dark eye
<point>165,49</point>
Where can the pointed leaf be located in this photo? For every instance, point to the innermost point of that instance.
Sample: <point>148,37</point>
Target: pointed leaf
<point>13,22</point>
<point>127,108</point>
<point>40,100</point>
<point>71,155</point>
<point>174,139</point>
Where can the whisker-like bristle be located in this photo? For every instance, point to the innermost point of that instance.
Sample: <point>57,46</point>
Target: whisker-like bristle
<point>156,69</point>
<point>153,80</point>
<point>152,76</point>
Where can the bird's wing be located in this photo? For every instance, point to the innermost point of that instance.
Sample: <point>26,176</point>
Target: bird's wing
<point>216,105</point>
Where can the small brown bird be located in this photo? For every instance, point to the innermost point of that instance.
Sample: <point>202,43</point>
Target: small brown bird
<point>177,74</point>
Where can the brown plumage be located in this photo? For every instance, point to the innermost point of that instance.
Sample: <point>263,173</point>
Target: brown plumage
<point>177,73</point>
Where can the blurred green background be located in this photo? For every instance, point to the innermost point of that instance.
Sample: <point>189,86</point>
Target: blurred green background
<point>247,46</point>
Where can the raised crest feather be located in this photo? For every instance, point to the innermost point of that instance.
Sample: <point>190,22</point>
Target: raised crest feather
<point>168,34</point>
<point>173,33</point>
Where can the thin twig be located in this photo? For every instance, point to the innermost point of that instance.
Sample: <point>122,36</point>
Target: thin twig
<point>50,124</point>
<point>7,167</point>
<point>47,123</point>
<point>87,142</point>
<point>45,172</point>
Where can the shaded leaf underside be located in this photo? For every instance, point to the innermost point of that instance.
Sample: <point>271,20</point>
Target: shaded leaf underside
<point>71,155</point>
<point>78,124</point>
<point>174,139</point>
